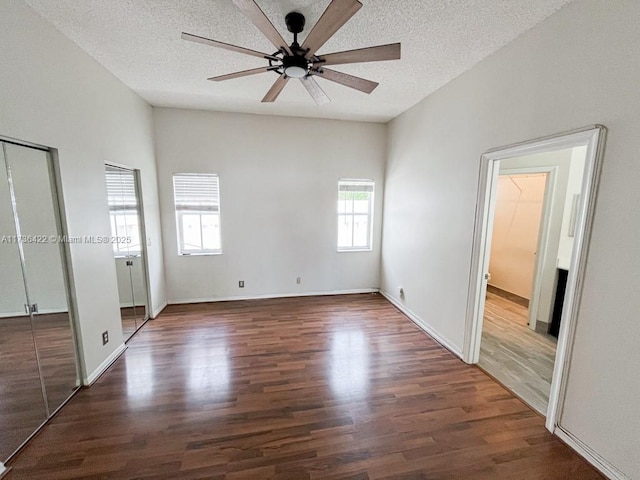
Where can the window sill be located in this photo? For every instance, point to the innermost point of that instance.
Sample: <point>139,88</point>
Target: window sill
<point>199,254</point>
<point>348,250</point>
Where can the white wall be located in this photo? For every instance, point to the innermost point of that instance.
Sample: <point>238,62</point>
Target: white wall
<point>514,243</point>
<point>578,67</point>
<point>574,187</point>
<point>278,183</point>
<point>561,159</point>
<point>54,94</point>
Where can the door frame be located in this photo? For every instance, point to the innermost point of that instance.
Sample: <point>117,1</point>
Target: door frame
<point>145,239</point>
<point>548,201</point>
<point>594,138</point>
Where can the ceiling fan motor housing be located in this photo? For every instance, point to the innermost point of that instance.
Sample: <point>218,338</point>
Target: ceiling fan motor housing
<point>295,66</point>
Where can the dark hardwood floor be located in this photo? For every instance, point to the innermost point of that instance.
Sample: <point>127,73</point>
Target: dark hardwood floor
<point>307,388</point>
<point>22,407</point>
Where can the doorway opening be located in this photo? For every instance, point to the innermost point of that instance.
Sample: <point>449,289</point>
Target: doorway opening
<point>533,220</point>
<point>520,234</point>
<point>129,246</point>
<point>515,347</point>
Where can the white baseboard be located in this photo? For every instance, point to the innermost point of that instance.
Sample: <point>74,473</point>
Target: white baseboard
<point>22,313</point>
<point>604,466</point>
<point>423,325</point>
<point>13,314</point>
<point>3,469</point>
<point>272,295</point>
<point>104,365</point>
<point>157,311</point>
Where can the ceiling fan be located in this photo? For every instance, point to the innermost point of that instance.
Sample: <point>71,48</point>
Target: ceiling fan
<point>300,61</point>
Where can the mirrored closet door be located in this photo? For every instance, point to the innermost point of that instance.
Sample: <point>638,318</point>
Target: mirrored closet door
<point>128,246</point>
<point>38,364</point>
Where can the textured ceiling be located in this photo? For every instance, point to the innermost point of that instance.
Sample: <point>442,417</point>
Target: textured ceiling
<point>139,42</point>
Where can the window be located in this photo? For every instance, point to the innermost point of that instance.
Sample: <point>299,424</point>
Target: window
<point>355,214</point>
<point>123,211</point>
<point>197,201</point>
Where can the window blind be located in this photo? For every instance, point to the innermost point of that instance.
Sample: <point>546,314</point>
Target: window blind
<point>355,186</point>
<point>196,192</point>
<point>121,191</point>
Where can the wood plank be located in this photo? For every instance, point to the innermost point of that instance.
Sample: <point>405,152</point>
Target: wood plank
<point>243,73</point>
<point>516,356</point>
<point>315,90</point>
<point>251,9</point>
<point>227,46</point>
<point>334,17</point>
<point>276,89</point>
<point>357,83</point>
<point>341,387</point>
<point>369,54</point>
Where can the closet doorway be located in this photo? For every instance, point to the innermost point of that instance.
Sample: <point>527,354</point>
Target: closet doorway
<point>38,363</point>
<point>128,240</point>
<point>515,347</point>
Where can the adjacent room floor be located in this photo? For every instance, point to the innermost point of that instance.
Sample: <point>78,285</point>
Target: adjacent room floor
<point>341,387</point>
<point>515,355</point>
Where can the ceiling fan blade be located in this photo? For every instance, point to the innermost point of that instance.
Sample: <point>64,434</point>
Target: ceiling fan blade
<point>226,46</point>
<point>251,9</point>
<point>243,73</point>
<point>275,90</point>
<point>335,16</point>
<point>315,90</point>
<point>370,54</point>
<point>366,86</point>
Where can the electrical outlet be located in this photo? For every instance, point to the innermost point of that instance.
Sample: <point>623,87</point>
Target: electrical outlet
<point>241,284</point>
<point>298,280</point>
<point>105,337</point>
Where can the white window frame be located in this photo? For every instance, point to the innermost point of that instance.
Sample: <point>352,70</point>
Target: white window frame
<point>181,210</point>
<point>354,183</point>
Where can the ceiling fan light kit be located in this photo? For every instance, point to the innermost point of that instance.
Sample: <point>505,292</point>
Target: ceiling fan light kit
<point>301,61</point>
<point>295,66</point>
